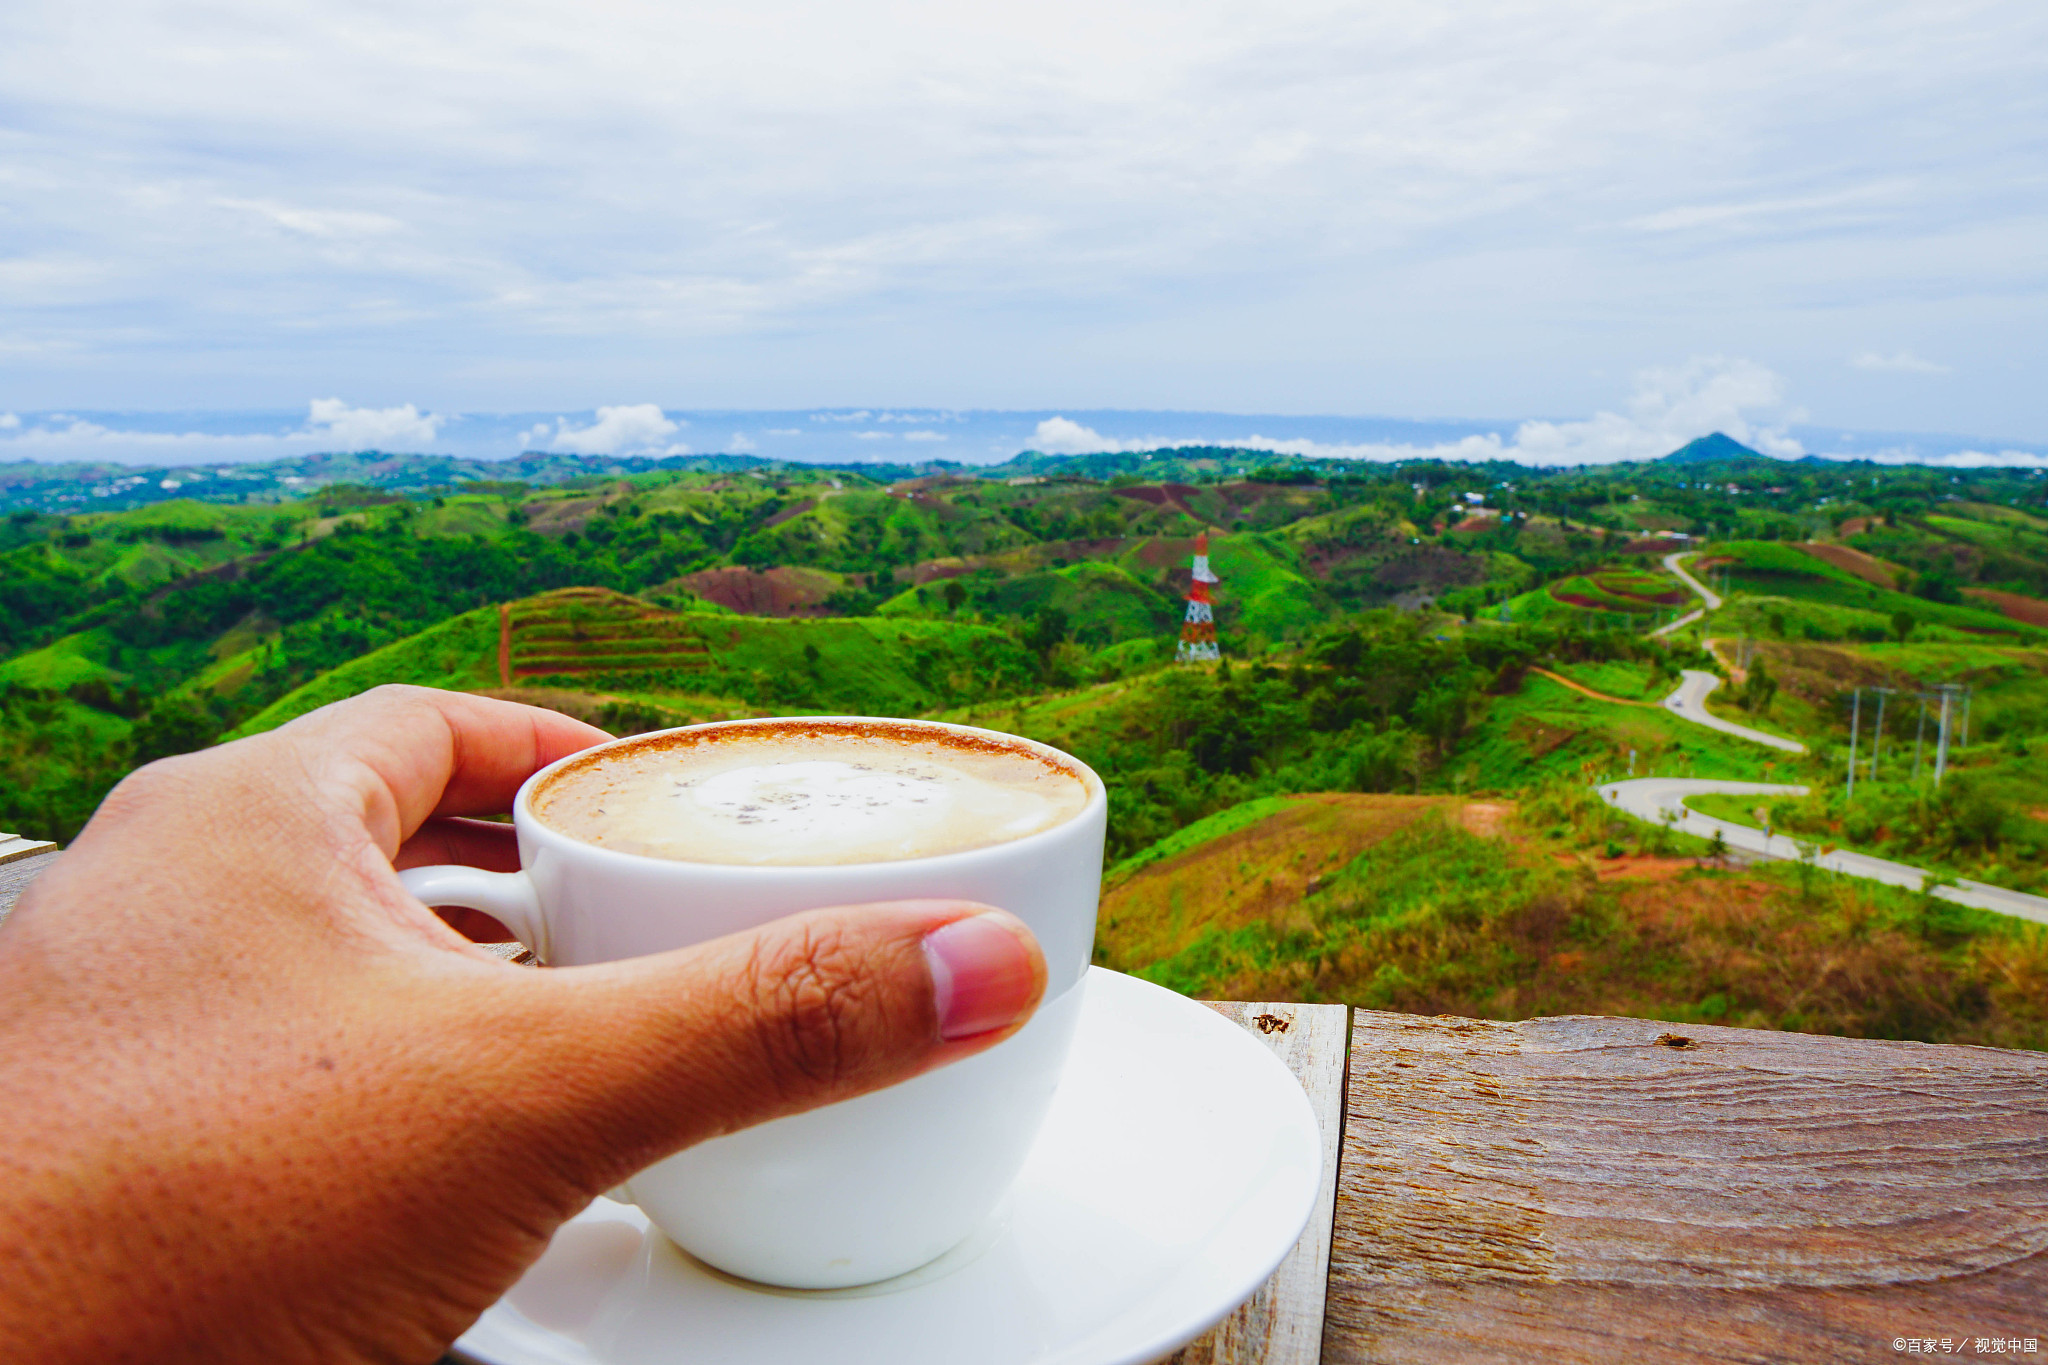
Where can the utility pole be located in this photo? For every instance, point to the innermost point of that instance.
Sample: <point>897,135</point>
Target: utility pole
<point>1941,745</point>
<point>1877,740</point>
<point>1919,735</point>
<point>1855,730</point>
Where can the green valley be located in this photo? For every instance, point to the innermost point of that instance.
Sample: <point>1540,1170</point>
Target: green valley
<point>1382,794</point>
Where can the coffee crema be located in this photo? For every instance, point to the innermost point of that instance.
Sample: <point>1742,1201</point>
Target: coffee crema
<point>809,794</point>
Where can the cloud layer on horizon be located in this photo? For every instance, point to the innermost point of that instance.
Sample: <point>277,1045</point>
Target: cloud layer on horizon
<point>1668,407</point>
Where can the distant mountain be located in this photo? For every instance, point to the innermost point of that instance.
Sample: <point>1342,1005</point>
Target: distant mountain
<point>1710,449</point>
<point>80,487</point>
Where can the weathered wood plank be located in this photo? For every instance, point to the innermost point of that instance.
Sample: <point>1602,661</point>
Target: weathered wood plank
<point>1282,1324</point>
<point>17,846</point>
<point>17,871</point>
<point>1589,1189</point>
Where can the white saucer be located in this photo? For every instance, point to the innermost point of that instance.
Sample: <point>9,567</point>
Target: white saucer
<point>1177,1169</point>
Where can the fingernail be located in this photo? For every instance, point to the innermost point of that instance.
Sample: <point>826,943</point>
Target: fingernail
<point>984,976</point>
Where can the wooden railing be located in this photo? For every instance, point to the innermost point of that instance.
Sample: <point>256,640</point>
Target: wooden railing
<point>1622,1190</point>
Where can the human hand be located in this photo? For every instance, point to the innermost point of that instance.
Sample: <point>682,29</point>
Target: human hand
<point>261,1104</point>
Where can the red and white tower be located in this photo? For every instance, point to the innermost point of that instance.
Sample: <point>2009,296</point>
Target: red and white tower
<point>1198,632</point>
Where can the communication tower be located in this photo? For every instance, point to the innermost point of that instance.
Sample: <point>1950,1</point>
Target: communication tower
<point>1198,631</point>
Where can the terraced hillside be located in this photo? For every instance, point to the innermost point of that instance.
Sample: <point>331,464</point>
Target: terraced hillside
<point>1629,590</point>
<point>611,649</point>
<point>575,633</point>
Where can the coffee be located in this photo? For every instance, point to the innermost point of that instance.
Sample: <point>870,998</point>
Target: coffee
<point>809,794</point>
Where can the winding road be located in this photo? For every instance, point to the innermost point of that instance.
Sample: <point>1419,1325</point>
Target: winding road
<point>1689,702</point>
<point>1651,798</point>
<point>1662,799</point>
<point>1709,599</point>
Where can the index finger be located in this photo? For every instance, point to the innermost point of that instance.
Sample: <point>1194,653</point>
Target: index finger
<point>413,753</point>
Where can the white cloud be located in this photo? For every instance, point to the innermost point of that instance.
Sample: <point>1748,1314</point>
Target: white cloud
<point>330,419</point>
<point>1063,436</point>
<point>861,416</point>
<point>1669,407</point>
<point>1903,361</point>
<point>740,444</point>
<point>784,431</point>
<point>9,422</point>
<point>628,429</point>
<point>923,436</point>
<point>873,435</point>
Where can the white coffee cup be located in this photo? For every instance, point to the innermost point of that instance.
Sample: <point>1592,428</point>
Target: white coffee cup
<point>871,1187</point>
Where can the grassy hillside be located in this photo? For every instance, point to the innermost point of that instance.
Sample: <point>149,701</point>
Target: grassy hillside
<point>1793,592</point>
<point>1436,906</point>
<point>460,654</point>
<point>1547,730</point>
<point>1988,821</point>
<point>596,642</point>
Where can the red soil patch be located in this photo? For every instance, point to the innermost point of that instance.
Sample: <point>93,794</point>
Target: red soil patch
<point>1026,560</point>
<point>1484,818</point>
<point>1572,599</point>
<point>771,592</point>
<point>1871,570</point>
<point>1640,867</point>
<point>1165,552</point>
<point>1582,688</point>
<point>2030,611</point>
<point>796,509</point>
<point>1172,495</point>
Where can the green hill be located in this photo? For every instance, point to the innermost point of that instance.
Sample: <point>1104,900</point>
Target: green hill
<point>1818,599</point>
<point>593,641</point>
<point>460,654</point>
<point>1432,905</point>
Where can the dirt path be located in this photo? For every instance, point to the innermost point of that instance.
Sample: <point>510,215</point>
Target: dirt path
<point>504,644</point>
<point>1581,687</point>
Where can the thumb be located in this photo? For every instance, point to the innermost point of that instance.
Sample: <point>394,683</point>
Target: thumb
<point>658,1053</point>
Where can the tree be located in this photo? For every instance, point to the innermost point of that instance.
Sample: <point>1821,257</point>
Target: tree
<point>173,726</point>
<point>955,594</point>
<point>1902,624</point>
<point>1048,628</point>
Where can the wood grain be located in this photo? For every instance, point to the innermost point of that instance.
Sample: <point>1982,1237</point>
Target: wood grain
<point>1590,1189</point>
<point>1282,1324</point>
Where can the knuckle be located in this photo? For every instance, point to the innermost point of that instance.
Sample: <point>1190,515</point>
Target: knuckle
<point>814,1009</point>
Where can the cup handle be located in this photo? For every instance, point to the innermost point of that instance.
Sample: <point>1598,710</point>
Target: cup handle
<point>507,897</point>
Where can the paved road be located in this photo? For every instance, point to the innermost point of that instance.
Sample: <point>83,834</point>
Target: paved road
<point>1710,600</point>
<point>1653,798</point>
<point>1706,594</point>
<point>1649,798</point>
<point>1689,702</point>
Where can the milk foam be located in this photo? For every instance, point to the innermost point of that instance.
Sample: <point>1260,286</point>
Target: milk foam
<point>809,799</point>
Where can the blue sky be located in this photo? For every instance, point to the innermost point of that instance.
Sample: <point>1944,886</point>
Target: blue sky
<point>1580,225</point>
